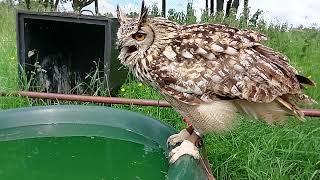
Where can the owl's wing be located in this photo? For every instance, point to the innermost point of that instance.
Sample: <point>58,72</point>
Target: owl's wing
<point>208,62</point>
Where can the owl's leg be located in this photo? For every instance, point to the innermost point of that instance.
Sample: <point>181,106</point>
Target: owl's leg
<point>182,135</point>
<point>188,146</point>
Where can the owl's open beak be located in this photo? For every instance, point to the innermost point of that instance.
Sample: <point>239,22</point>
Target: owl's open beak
<point>128,49</point>
<point>131,49</point>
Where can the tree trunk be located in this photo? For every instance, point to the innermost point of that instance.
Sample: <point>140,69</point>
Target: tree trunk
<point>228,7</point>
<point>28,4</point>
<point>220,4</point>
<point>211,7</point>
<point>56,5</point>
<point>207,1</point>
<point>254,20</point>
<point>235,5</point>
<point>86,3</point>
<point>164,8</point>
<point>51,4</point>
<point>246,11</point>
<point>75,5</point>
<point>46,3</point>
<point>96,7</point>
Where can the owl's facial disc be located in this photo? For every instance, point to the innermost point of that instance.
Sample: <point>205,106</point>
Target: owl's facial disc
<point>135,42</point>
<point>132,43</point>
<point>137,39</point>
<point>135,36</point>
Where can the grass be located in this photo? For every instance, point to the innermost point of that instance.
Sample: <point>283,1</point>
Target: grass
<point>253,150</point>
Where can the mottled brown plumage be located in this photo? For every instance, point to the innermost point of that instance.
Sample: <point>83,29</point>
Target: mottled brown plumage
<point>200,68</point>
<point>208,72</point>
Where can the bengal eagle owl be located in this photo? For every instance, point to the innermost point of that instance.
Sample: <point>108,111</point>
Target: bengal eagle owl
<point>208,72</point>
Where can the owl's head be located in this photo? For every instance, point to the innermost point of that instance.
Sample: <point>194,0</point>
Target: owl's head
<point>137,35</point>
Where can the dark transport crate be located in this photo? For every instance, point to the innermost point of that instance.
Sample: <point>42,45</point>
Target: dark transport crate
<point>68,53</point>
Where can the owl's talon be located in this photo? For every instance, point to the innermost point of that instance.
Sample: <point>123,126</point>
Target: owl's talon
<point>186,147</point>
<point>176,138</point>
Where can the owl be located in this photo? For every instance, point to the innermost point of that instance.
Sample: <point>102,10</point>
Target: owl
<point>208,73</point>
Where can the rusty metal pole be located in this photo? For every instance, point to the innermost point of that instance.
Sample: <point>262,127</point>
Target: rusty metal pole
<point>311,112</point>
<point>112,100</point>
<point>83,98</point>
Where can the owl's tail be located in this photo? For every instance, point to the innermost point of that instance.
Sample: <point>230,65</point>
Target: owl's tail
<point>282,106</point>
<point>277,110</point>
<point>290,107</point>
<point>269,112</point>
<point>290,103</point>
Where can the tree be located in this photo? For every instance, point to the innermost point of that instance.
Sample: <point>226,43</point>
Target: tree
<point>191,18</point>
<point>52,4</point>
<point>220,4</point>
<point>108,15</point>
<point>133,15</point>
<point>78,5</point>
<point>154,10</point>
<point>211,7</point>
<point>27,4</point>
<point>254,19</point>
<point>246,11</point>
<point>235,5</point>
<point>179,17</point>
<point>164,8</point>
<point>207,1</point>
<point>228,8</point>
<point>232,7</point>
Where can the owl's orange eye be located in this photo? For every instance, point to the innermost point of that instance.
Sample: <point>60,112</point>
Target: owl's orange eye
<point>139,36</point>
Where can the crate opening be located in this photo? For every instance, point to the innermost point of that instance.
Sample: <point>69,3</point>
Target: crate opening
<point>68,55</point>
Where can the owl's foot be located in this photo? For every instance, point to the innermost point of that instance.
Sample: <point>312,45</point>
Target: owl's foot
<point>176,138</point>
<point>186,147</point>
<point>181,136</point>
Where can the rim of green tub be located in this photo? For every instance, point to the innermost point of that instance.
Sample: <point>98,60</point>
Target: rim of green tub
<point>101,121</point>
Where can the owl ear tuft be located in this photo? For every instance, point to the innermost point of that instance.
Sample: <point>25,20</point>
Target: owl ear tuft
<point>121,15</point>
<point>143,13</point>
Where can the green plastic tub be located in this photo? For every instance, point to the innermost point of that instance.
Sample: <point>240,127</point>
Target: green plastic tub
<point>87,143</point>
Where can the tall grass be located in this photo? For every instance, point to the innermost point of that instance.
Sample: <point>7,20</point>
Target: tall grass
<point>253,150</point>
<point>8,58</point>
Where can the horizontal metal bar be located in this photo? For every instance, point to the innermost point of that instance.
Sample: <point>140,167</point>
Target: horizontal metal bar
<point>83,98</point>
<point>112,100</point>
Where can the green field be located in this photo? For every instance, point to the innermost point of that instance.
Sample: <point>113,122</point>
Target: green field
<point>253,150</point>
